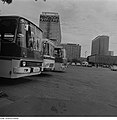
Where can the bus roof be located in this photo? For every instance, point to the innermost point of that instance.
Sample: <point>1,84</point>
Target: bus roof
<point>19,17</point>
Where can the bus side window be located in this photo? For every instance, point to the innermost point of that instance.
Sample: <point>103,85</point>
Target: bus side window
<point>44,48</point>
<point>28,35</point>
<point>38,44</point>
<point>21,35</point>
<point>60,53</point>
<point>55,53</point>
<point>38,38</point>
<point>30,42</point>
<point>29,38</point>
<point>48,51</point>
<point>51,50</point>
<point>33,37</point>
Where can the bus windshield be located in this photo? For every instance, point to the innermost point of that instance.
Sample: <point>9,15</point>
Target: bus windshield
<point>7,29</point>
<point>58,52</point>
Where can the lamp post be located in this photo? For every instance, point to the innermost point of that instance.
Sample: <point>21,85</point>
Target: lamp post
<point>85,54</point>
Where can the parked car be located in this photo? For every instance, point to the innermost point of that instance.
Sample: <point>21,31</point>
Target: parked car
<point>105,66</point>
<point>78,64</point>
<point>73,64</point>
<point>113,68</point>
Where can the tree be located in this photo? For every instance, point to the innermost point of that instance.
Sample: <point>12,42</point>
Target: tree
<point>10,1</point>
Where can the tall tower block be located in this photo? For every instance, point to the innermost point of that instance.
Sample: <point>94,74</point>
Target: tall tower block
<point>100,45</point>
<point>50,24</point>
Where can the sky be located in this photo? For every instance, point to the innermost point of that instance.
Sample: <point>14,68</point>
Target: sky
<point>81,20</point>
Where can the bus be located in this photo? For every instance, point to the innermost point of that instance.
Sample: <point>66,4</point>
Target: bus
<point>60,58</point>
<point>20,47</point>
<point>48,55</point>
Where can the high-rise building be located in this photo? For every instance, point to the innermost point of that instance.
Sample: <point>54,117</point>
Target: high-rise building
<point>100,45</point>
<point>73,51</point>
<point>50,24</point>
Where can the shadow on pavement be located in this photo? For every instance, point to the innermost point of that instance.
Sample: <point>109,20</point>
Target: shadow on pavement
<point>45,74</point>
<point>7,81</point>
<point>58,71</point>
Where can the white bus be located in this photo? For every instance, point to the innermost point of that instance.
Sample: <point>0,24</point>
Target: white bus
<point>20,47</point>
<point>60,58</point>
<point>48,54</point>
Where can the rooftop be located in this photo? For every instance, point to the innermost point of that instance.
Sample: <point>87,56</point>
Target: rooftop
<point>49,13</point>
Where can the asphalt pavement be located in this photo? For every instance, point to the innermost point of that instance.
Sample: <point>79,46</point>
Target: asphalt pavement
<point>78,91</point>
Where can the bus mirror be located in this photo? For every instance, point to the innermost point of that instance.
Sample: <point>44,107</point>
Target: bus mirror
<point>26,27</point>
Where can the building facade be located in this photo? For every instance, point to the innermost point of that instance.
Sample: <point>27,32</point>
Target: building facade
<point>111,53</point>
<point>100,45</point>
<point>50,24</point>
<point>100,54</point>
<point>73,51</point>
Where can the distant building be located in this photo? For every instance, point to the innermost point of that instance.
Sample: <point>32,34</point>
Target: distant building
<point>102,60</point>
<point>111,53</point>
<point>100,55</point>
<point>73,51</point>
<point>50,24</point>
<point>100,45</point>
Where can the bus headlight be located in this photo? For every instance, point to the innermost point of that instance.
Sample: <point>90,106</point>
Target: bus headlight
<point>23,63</point>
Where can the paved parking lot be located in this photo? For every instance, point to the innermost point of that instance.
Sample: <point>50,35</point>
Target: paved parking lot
<point>79,91</point>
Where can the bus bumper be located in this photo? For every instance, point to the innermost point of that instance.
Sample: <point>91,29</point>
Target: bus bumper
<point>21,70</point>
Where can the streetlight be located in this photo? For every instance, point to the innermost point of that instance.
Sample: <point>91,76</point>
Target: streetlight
<point>85,54</point>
